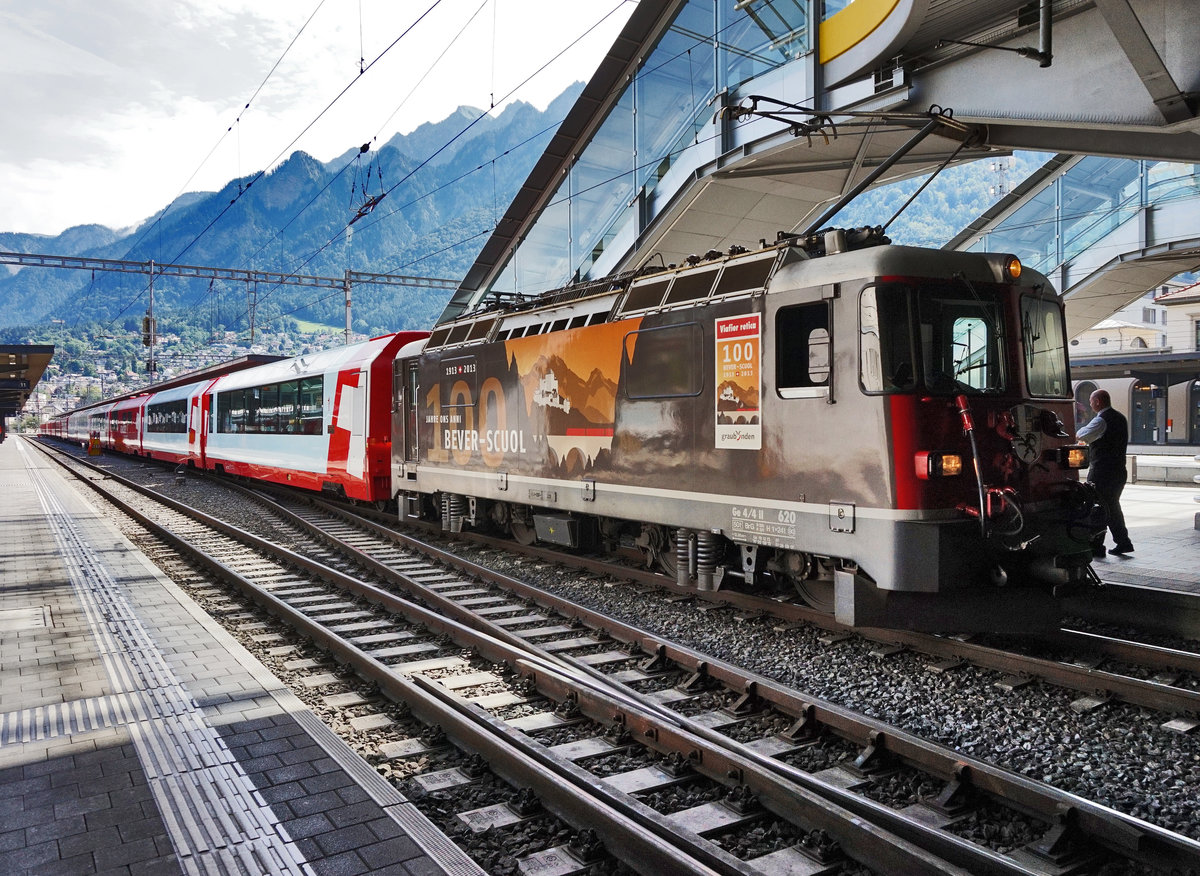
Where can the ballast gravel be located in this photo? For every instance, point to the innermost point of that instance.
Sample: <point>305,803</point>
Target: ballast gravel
<point>1117,755</point>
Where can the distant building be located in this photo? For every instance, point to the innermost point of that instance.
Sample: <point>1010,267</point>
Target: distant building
<point>1147,355</point>
<point>1138,326</point>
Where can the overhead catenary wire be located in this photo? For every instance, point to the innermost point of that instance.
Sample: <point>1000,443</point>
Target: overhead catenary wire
<point>158,219</point>
<point>338,236</point>
<point>352,161</point>
<point>260,174</point>
<point>654,161</point>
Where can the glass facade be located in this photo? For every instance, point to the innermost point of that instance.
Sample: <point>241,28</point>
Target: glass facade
<point>665,111</point>
<point>1092,200</point>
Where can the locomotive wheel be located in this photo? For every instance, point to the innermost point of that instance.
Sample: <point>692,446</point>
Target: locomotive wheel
<point>523,533</point>
<point>658,548</point>
<point>520,525</point>
<point>813,579</point>
<point>817,593</point>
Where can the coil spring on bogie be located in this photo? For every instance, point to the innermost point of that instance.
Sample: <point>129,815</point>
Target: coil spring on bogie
<point>683,556</point>
<point>454,507</point>
<point>706,559</point>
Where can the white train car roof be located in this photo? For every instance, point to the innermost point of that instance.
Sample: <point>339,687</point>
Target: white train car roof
<point>335,359</point>
<point>136,401</point>
<point>412,348</point>
<point>176,393</point>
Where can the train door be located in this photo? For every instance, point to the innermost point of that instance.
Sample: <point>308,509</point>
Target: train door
<point>195,429</point>
<point>404,436</point>
<point>208,409</point>
<point>356,397</point>
<point>404,407</point>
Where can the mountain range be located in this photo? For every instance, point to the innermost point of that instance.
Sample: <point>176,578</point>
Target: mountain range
<point>425,203</point>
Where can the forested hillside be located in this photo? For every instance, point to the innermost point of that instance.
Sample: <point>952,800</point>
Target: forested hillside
<point>425,202</point>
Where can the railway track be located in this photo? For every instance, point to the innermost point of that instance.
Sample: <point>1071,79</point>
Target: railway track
<point>721,753</point>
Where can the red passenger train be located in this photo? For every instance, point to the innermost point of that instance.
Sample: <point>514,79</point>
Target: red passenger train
<point>879,427</point>
<point>320,421</point>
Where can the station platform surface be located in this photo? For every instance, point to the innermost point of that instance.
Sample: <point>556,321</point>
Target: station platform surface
<point>137,736</point>
<point>1161,523</point>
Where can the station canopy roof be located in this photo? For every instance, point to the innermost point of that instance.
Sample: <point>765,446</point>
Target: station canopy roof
<point>21,367</point>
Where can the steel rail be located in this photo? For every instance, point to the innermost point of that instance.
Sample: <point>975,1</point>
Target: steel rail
<point>1109,828</point>
<point>1106,827</point>
<point>625,839</point>
<point>640,848</point>
<point>1139,692</point>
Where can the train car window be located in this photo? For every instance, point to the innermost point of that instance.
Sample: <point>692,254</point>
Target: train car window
<point>648,294</point>
<point>289,416</point>
<point>886,355</point>
<point>437,338</point>
<point>312,413</point>
<point>459,333</point>
<point>167,417</point>
<point>291,408</point>
<point>802,351</point>
<point>480,329</point>
<point>268,409</point>
<point>1044,341</point>
<point>412,390</point>
<point>398,384</point>
<point>661,362</point>
<point>253,409</point>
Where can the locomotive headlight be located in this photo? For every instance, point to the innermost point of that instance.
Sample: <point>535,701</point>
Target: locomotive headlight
<point>1005,267</point>
<point>1073,457</point>
<point>933,464</point>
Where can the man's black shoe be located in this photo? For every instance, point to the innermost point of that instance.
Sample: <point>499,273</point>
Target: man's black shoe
<point>1099,551</point>
<point>1126,548</point>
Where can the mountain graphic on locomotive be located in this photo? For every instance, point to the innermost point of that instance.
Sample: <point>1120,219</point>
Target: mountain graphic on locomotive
<point>879,427</point>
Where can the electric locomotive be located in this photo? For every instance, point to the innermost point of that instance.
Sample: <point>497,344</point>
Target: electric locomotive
<point>880,427</point>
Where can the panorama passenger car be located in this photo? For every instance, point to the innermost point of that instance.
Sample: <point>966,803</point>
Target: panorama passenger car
<point>881,426</point>
<point>321,421</point>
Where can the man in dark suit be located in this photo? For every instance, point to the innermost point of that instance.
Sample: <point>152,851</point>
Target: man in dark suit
<point>1108,435</point>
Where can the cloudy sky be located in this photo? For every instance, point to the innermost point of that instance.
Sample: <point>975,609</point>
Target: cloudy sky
<point>110,108</point>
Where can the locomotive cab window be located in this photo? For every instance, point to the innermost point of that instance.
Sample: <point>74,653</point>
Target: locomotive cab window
<point>960,340</point>
<point>1044,342</point>
<point>938,338</point>
<point>803,356</point>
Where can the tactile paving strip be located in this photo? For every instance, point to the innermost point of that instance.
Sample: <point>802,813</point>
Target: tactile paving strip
<point>217,821</point>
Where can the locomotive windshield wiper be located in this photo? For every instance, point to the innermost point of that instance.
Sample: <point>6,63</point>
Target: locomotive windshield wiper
<point>986,309</point>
